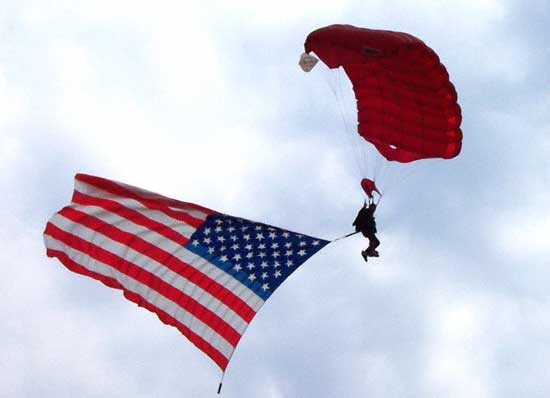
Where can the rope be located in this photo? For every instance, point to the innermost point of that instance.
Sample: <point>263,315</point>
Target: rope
<point>345,236</point>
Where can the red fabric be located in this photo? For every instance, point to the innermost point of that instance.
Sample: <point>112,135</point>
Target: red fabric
<point>407,107</point>
<point>369,187</point>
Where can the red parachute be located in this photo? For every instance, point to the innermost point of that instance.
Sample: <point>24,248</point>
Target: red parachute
<point>407,107</point>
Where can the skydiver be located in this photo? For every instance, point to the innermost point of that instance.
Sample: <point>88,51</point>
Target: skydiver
<point>366,224</point>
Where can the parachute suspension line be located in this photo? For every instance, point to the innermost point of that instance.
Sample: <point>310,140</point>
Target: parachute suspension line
<point>369,162</point>
<point>381,171</point>
<point>334,84</point>
<point>351,133</point>
<point>388,176</point>
<point>398,178</point>
<point>357,141</point>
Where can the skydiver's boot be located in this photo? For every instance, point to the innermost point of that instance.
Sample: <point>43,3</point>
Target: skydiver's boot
<point>372,253</point>
<point>365,255</point>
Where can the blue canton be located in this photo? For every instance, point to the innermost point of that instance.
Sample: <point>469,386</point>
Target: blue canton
<point>260,256</point>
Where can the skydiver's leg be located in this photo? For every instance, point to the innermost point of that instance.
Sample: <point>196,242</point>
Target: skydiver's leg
<point>373,244</point>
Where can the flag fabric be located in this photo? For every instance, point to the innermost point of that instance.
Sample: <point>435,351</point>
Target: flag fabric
<point>203,272</point>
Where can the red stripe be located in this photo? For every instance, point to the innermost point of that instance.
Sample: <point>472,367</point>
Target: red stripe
<point>99,181</point>
<point>198,341</point>
<point>157,202</point>
<point>150,280</point>
<point>167,259</point>
<point>134,216</point>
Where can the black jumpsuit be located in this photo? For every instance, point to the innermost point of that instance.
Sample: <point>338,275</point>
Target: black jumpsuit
<point>365,223</point>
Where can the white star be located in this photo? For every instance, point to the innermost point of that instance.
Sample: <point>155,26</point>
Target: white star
<point>277,274</point>
<point>276,254</point>
<point>237,257</point>
<point>259,236</point>
<point>218,221</point>
<point>218,229</point>
<point>265,287</point>
<point>272,235</point>
<point>276,264</point>
<point>221,238</point>
<point>315,243</point>
<point>207,240</point>
<point>207,231</point>
<point>248,247</point>
<point>195,243</point>
<point>262,255</point>
<point>302,243</point>
<point>302,252</point>
<point>286,234</point>
<point>235,246</point>
<point>210,250</point>
<point>258,228</point>
<point>223,258</point>
<point>249,255</point>
<point>289,253</point>
<point>250,266</point>
<point>263,264</point>
<point>289,263</point>
<point>261,246</point>
<point>237,267</point>
<point>252,277</point>
<point>264,275</point>
<point>246,237</point>
<point>231,229</point>
<point>288,244</point>
<point>275,245</point>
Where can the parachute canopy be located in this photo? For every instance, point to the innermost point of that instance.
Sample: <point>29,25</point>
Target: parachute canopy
<point>407,107</point>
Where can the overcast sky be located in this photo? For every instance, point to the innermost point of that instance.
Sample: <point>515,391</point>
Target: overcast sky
<point>206,103</point>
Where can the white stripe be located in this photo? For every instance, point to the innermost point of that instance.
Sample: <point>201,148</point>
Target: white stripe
<point>213,272</point>
<point>154,267</point>
<point>151,296</point>
<point>179,226</point>
<point>183,208</point>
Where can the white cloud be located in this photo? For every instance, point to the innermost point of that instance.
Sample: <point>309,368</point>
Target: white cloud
<point>459,362</point>
<point>12,114</point>
<point>145,90</point>
<point>273,15</point>
<point>523,232</point>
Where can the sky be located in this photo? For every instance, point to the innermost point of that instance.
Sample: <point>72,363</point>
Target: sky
<point>204,102</point>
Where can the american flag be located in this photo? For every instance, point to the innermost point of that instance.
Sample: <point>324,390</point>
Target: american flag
<point>203,272</point>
